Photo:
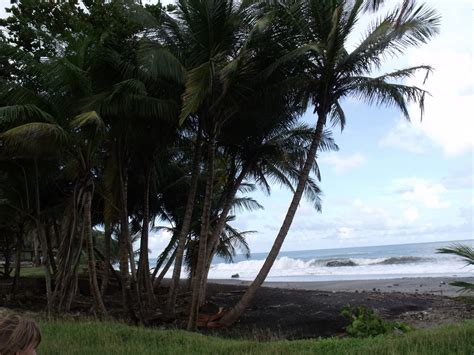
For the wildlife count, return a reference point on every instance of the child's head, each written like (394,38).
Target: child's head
(18,335)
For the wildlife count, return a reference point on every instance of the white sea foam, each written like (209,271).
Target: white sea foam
(409,260)
(286,268)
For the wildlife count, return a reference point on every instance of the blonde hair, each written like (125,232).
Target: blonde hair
(17,333)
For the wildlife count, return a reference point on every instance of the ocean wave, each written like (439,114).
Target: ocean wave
(405,260)
(290,267)
(396,260)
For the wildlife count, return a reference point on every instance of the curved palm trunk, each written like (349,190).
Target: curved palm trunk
(246,299)
(144,280)
(94,285)
(204,235)
(162,259)
(165,270)
(184,231)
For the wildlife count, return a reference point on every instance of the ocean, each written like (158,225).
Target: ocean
(361,263)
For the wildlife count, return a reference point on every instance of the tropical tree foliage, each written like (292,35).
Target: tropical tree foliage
(465,252)
(123,117)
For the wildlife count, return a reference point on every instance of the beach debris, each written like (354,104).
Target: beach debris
(210,321)
(235,276)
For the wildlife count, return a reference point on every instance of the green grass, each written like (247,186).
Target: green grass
(31,271)
(68,337)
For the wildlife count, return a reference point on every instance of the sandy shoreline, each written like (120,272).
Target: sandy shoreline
(420,285)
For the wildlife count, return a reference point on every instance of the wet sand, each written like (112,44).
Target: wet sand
(421,285)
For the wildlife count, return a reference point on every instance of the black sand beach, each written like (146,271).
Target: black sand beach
(296,310)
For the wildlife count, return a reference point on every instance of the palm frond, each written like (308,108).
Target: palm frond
(90,118)
(198,86)
(379,92)
(158,62)
(464,251)
(34,139)
(465,287)
(15,115)
(246,204)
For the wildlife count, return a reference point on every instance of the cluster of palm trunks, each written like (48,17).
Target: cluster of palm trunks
(119,116)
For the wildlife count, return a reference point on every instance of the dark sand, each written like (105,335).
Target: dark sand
(284,310)
(425,285)
(297,310)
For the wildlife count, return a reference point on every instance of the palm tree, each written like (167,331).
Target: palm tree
(331,73)
(26,141)
(79,134)
(210,30)
(465,252)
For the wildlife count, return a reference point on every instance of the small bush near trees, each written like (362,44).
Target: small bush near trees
(365,322)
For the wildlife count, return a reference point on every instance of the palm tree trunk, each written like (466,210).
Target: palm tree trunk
(7,254)
(107,255)
(47,232)
(68,255)
(19,245)
(94,285)
(109,266)
(36,256)
(220,225)
(163,272)
(42,240)
(204,235)
(231,316)
(163,257)
(123,244)
(57,233)
(144,280)
(184,231)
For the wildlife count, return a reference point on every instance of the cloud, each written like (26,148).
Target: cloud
(158,241)
(447,121)
(345,232)
(406,137)
(341,164)
(464,180)
(426,193)
(411,214)
(449,110)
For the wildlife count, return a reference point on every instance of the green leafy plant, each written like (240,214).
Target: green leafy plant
(467,253)
(365,322)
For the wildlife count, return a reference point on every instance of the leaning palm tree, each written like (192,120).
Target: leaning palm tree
(330,73)
(467,254)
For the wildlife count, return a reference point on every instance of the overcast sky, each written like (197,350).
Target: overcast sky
(392,181)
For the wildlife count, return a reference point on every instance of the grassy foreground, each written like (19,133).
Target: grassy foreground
(67,337)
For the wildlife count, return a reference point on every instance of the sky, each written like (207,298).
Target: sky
(392,181)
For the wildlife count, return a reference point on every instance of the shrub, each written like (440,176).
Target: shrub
(365,322)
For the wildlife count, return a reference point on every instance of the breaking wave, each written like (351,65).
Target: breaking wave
(338,268)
